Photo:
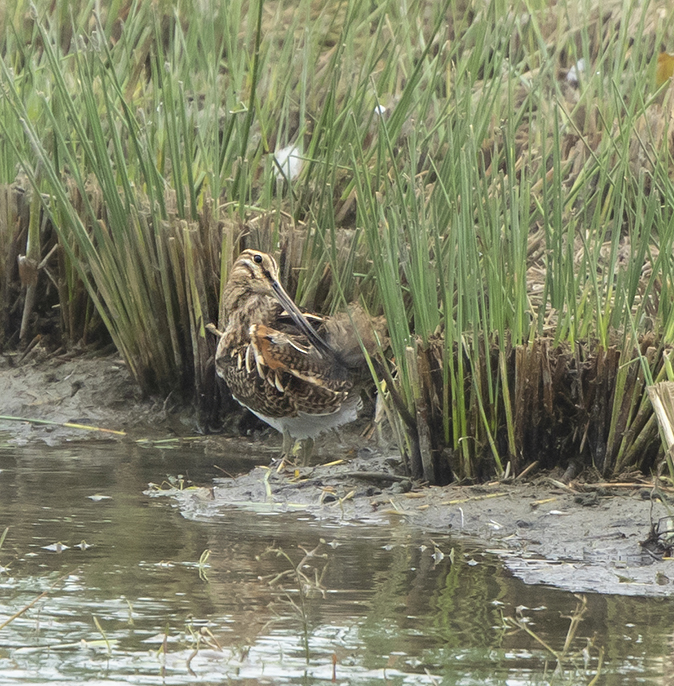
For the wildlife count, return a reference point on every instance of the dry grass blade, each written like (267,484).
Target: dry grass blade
(67,425)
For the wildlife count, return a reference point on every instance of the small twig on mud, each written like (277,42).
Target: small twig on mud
(29,347)
(526,470)
(472,498)
(562,485)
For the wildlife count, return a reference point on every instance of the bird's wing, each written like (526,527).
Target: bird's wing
(316,320)
(276,354)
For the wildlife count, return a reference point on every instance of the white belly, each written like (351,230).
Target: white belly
(311,425)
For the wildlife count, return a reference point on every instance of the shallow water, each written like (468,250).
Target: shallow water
(134,604)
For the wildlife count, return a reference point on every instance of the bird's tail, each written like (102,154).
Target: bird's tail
(349,332)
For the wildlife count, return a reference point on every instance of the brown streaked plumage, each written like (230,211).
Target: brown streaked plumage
(296,371)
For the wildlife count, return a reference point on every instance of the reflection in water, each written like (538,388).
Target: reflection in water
(135,605)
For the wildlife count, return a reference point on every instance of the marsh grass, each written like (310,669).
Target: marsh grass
(514,225)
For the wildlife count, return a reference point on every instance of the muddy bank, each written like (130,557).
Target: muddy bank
(581,538)
(93,391)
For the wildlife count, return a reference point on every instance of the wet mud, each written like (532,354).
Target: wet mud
(581,537)
(94,391)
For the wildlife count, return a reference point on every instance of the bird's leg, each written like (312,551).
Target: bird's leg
(306,450)
(301,450)
(287,446)
(286,449)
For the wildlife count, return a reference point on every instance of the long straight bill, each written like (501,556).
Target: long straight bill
(300,320)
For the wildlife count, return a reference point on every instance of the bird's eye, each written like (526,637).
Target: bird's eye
(258,259)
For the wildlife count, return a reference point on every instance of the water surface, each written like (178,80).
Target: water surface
(128,601)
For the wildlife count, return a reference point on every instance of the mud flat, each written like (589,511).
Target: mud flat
(581,537)
(92,391)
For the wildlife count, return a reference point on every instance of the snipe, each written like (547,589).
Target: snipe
(296,371)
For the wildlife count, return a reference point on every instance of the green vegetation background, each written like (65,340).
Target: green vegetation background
(492,177)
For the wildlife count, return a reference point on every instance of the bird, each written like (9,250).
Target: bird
(299,372)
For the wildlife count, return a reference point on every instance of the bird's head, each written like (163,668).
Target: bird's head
(256,273)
